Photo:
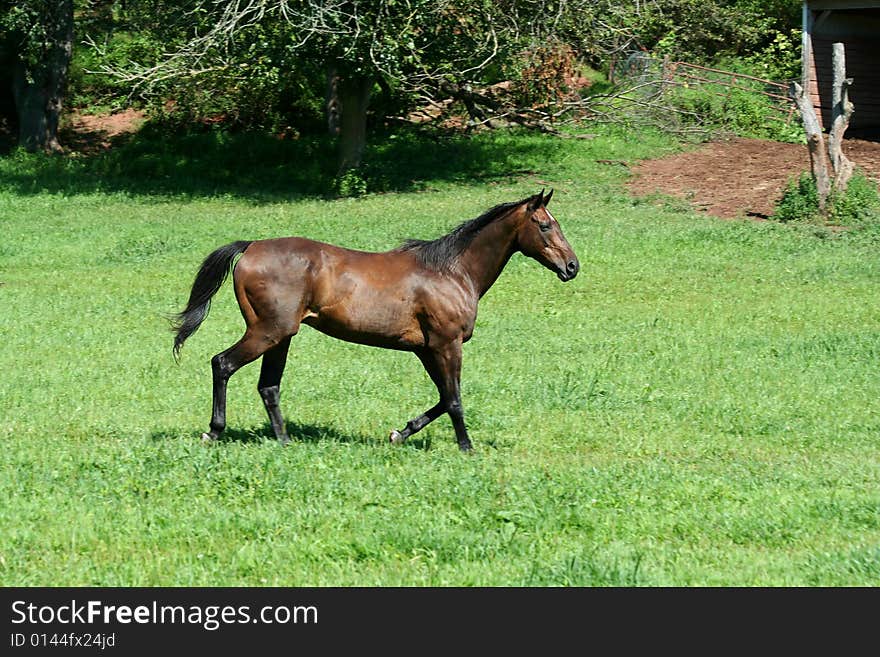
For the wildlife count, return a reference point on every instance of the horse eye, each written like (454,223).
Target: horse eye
(544,226)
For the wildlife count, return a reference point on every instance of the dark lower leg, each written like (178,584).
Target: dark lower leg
(417,424)
(456,414)
(269,387)
(270,396)
(218,409)
(223,366)
(444,368)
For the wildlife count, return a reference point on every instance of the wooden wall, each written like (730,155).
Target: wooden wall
(859,30)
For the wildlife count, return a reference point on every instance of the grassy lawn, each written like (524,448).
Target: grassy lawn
(699,407)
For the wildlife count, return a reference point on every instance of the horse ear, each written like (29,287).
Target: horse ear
(536,201)
(547,198)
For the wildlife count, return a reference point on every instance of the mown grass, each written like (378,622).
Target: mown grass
(699,407)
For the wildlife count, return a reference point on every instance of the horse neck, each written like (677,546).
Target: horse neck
(489,251)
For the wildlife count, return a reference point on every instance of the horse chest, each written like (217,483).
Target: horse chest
(449,320)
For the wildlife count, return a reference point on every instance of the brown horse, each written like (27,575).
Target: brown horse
(421,297)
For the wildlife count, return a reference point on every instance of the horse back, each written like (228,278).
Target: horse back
(383,299)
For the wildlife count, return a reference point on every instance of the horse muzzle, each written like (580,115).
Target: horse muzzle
(571,269)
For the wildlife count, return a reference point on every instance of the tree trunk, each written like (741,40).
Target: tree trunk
(38,87)
(815,142)
(841,111)
(354,94)
(331,102)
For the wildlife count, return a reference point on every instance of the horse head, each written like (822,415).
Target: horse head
(540,237)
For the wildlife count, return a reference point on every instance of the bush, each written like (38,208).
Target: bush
(350,184)
(859,206)
(781,60)
(799,201)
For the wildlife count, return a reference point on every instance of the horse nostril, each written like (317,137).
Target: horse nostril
(572,267)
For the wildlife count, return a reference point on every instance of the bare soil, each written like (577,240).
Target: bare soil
(739,177)
(91,133)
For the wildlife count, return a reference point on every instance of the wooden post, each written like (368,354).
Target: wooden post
(815,142)
(841,112)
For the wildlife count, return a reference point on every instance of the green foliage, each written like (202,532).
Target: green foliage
(270,74)
(90,88)
(699,30)
(799,200)
(729,97)
(698,408)
(858,206)
(28,28)
(716,108)
(780,60)
(350,183)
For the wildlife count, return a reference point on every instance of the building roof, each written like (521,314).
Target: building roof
(842,4)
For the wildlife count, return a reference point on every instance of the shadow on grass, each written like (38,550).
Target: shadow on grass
(299,433)
(263,168)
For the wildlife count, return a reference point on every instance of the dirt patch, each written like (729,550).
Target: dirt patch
(91,133)
(740,177)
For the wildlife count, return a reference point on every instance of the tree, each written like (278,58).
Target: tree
(420,52)
(40,36)
(411,46)
(841,112)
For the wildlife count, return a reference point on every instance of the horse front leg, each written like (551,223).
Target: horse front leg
(451,394)
(417,424)
(444,367)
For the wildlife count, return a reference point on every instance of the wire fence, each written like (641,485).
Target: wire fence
(655,78)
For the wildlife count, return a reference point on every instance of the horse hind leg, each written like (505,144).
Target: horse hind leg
(251,346)
(269,387)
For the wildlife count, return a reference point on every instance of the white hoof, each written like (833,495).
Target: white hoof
(395,437)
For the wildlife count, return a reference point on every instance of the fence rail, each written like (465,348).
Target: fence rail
(676,72)
(660,74)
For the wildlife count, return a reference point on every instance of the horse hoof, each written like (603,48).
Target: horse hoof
(208,438)
(396,437)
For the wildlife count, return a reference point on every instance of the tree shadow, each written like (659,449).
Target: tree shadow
(263,168)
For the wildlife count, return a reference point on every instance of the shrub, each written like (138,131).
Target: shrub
(799,201)
(859,206)
(351,183)
(544,75)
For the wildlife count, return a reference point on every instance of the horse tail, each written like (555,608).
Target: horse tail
(212,273)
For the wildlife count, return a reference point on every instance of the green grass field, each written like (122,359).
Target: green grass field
(699,407)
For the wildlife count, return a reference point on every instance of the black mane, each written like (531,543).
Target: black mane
(442,253)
